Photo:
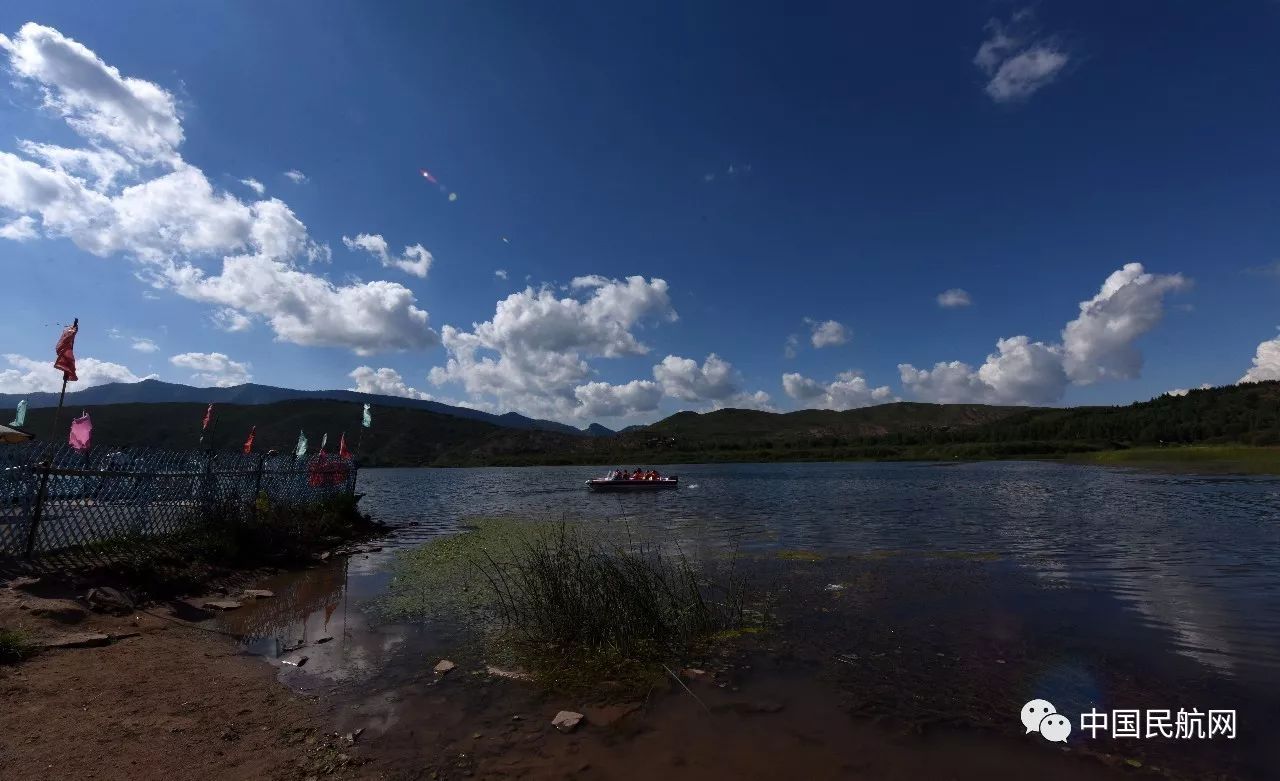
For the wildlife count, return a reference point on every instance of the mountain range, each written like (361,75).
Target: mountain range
(159,392)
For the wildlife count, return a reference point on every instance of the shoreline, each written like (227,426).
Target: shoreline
(1191,459)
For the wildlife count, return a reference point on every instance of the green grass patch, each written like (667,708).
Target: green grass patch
(799,555)
(575,606)
(15,645)
(1214,459)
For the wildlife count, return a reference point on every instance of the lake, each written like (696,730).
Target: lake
(1199,556)
(920,592)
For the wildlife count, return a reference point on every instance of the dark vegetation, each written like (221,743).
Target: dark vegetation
(1240,414)
(571,607)
(15,646)
(232,540)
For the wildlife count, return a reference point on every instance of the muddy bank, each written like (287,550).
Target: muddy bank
(158,699)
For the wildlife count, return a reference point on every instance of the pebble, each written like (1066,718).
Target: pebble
(444,666)
(566,721)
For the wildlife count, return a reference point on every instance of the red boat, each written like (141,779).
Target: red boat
(628,485)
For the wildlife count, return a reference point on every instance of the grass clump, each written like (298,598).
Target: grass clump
(15,645)
(571,606)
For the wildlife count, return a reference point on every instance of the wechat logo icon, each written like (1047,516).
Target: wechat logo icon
(1040,716)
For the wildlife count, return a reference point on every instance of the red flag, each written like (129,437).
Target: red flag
(248,443)
(208,418)
(66,362)
(342,446)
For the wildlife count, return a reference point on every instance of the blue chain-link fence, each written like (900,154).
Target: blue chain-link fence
(53,498)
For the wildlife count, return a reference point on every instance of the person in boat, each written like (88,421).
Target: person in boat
(638,474)
(652,474)
(618,474)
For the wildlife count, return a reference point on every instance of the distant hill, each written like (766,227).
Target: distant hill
(597,430)
(156,391)
(410,436)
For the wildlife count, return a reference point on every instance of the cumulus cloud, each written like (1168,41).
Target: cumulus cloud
(531,355)
(1017,60)
(255,185)
(21,229)
(500,273)
(384,382)
(214,369)
(602,400)
(414,261)
(28,375)
(1185,391)
(296,176)
(828,333)
(954,298)
(129,192)
(1098,345)
(229,320)
(715,381)
(145,345)
(850,390)
(136,117)
(1266,362)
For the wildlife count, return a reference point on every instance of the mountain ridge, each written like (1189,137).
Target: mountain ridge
(153,391)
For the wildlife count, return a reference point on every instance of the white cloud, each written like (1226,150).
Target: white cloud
(138,118)
(29,375)
(1185,391)
(384,382)
(537,344)
(953,298)
(21,229)
(1017,60)
(213,369)
(500,273)
(296,176)
(715,381)
(792,346)
(1097,345)
(231,321)
(602,400)
(255,185)
(145,345)
(849,391)
(827,334)
(414,261)
(1266,362)
(169,216)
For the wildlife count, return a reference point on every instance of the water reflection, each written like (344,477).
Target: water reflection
(1196,556)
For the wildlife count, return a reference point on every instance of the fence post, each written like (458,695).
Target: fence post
(33,530)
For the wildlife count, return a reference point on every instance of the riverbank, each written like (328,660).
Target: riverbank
(1203,459)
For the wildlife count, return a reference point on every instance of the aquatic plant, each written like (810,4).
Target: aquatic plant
(571,604)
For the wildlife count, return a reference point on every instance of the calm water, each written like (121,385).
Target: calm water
(1196,556)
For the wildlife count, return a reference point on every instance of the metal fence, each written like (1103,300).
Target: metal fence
(53,497)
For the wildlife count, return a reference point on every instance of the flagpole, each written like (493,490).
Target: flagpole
(57,413)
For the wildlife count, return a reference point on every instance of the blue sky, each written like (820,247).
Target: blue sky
(721,181)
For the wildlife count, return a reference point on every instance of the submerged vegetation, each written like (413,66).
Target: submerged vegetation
(571,606)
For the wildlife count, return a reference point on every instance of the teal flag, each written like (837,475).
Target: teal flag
(20,417)
(365,421)
(301,449)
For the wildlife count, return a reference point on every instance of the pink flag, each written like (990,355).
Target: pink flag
(66,362)
(81,432)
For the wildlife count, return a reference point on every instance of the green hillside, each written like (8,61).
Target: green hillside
(1233,415)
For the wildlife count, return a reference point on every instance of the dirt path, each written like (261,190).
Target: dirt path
(169,702)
